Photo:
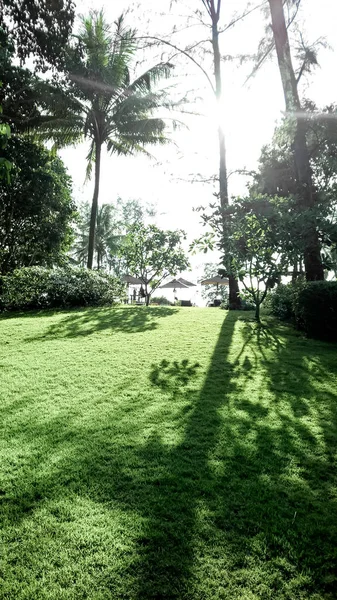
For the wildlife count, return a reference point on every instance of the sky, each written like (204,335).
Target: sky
(249,111)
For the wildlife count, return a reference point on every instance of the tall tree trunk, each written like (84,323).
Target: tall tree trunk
(94,206)
(234,297)
(312,257)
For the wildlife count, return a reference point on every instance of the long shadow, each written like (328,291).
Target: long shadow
(183,478)
(87,321)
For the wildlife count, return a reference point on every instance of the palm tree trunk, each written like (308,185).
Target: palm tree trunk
(312,257)
(234,297)
(94,206)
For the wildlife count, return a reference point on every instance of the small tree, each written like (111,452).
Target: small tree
(152,254)
(259,241)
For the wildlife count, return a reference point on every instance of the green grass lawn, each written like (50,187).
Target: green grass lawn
(166,454)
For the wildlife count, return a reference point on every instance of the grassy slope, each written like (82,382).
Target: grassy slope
(161,453)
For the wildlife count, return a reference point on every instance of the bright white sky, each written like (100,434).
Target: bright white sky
(249,112)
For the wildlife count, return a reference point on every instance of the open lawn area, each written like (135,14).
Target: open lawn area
(166,453)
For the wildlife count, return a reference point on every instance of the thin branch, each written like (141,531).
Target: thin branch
(207,6)
(261,61)
(301,71)
(184,52)
(245,14)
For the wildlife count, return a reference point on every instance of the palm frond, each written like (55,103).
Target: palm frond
(142,128)
(121,147)
(140,106)
(147,80)
(100,103)
(62,131)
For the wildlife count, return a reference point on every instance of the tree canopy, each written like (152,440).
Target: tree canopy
(38,28)
(36,209)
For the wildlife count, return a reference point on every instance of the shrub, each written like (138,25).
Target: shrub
(315,309)
(280,302)
(160,300)
(38,287)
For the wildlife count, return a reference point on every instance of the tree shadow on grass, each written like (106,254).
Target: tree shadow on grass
(243,504)
(91,320)
(173,376)
(250,491)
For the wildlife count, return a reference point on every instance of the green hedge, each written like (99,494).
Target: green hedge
(38,287)
(311,306)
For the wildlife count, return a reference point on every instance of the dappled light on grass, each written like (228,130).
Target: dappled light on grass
(194,459)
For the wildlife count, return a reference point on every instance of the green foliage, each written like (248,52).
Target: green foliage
(113,221)
(247,304)
(38,287)
(311,306)
(277,175)
(257,241)
(153,254)
(36,209)
(123,121)
(315,309)
(161,300)
(281,300)
(103,104)
(38,28)
(107,236)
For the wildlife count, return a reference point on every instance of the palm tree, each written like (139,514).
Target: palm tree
(103,104)
(107,236)
(107,239)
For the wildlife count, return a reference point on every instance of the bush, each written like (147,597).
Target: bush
(160,300)
(315,309)
(280,302)
(38,287)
